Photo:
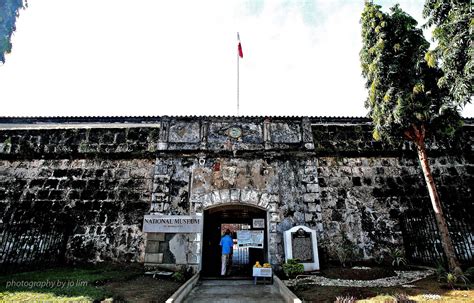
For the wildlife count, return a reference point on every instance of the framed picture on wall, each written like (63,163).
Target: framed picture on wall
(258,223)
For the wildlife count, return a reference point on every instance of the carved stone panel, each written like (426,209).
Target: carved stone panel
(301,243)
(184,132)
(285,133)
(302,246)
(250,133)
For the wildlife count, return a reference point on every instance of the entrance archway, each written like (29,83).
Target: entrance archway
(235,217)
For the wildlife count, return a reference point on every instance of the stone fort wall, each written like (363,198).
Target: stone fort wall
(368,188)
(101,177)
(97,180)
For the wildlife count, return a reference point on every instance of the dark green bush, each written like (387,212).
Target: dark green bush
(440,272)
(292,268)
(345,250)
(178,277)
(398,257)
(469,273)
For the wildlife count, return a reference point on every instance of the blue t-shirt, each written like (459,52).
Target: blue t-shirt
(227,243)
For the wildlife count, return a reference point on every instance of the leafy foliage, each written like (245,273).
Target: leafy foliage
(405,100)
(345,299)
(346,250)
(453,278)
(469,273)
(440,272)
(453,30)
(9,11)
(179,277)
(292,268)
(398,257)
(182,274)
(403,90)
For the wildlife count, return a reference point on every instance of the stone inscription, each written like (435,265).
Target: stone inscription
(302,246)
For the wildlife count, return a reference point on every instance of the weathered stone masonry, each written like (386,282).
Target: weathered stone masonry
(269,165)
(325,173)
(97,179)
(367,186)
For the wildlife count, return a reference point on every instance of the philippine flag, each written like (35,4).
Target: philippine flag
(239,47)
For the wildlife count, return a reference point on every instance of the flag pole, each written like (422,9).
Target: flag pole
(238,62)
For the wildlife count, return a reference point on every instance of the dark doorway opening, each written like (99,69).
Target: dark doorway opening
(234,217)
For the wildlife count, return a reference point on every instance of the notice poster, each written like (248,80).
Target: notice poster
(250,238)
(258,223)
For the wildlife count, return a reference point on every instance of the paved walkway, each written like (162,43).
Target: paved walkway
(233,291)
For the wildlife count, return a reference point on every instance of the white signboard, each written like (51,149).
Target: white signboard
(172,224)
(250,238)
(258,223)
(262,272)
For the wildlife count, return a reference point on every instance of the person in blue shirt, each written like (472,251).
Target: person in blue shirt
(226,243)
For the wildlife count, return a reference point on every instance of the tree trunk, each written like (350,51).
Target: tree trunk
(446,242)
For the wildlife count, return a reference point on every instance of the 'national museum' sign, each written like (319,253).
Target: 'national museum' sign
(172,224)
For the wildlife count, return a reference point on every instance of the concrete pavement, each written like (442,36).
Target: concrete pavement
(233,291)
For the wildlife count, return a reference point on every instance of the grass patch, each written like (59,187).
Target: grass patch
(35,296)
(64,284)
(446,297)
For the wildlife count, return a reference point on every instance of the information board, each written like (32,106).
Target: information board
(250,238)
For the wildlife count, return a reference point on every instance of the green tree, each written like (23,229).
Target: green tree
(404,100)
(453,23)
(9,11)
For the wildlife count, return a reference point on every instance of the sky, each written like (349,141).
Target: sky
(148,57)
